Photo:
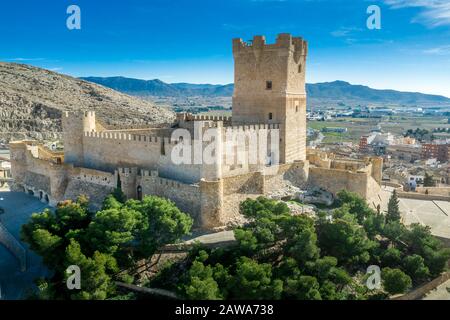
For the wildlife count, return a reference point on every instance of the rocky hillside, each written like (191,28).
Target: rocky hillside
(32,101)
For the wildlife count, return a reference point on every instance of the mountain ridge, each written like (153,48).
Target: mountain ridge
(325,92)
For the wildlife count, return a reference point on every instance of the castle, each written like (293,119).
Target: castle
(269,112)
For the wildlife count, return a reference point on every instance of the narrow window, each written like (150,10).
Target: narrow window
(270,116)
(300,68)
(139,193)
(296,108)
(268,85)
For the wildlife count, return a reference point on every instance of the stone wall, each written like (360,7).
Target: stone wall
(398,187)
(108,151)
(185,196)
(437,191)
(250,183)
(334,180)
(53,182)
(295,174)
(95,193)
(333,174)
(11,243)
(420,292)
(420,196)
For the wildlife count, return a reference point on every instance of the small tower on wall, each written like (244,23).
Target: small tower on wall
(270,88)
(74,126)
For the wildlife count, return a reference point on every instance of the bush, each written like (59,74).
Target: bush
(395,281)
(415,267)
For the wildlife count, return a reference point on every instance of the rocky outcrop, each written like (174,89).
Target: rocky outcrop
(32,101)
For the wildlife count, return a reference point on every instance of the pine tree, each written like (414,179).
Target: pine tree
(428,180)
(393,213)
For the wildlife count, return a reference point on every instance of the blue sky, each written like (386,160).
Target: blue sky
(190,40)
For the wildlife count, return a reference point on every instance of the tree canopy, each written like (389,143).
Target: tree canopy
(279,255)
(100,243)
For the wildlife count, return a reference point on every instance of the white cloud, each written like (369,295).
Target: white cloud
(434,12)
(24,59)
(345,31)
(440,51)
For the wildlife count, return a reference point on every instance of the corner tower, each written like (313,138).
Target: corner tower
(270,88)
(74,126)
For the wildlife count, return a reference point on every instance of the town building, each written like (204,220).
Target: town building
(435,150)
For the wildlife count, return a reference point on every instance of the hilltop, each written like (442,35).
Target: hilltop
(32,100)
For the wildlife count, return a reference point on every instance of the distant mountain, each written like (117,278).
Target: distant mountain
(159,88)
(327,93)
(346,92)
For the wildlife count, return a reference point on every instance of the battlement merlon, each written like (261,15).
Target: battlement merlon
(85,114)
(284,41)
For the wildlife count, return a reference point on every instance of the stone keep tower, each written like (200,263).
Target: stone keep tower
(74,126)
(270,88)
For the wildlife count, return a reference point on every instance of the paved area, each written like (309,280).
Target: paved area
(435,214)
(427,213)
(441,292)
(211,238)
(18,209)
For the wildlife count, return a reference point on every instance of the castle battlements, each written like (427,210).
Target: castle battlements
(194,117)
(254,127)
(154,174)
(123,137)
(85,114)
(284,41)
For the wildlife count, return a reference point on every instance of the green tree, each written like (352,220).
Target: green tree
(74,235)
(396,232)
(342,237)
(300,238)
(112,228)
(374,225)
(391,257)
(428,180)
(302,287)
(111,202)
(272,223)
(422,242)
(48,233)
(118,193)
(247,241)
(393,213)
(201,284)
(162,223)
(357,206)
(395,281)
(254,281)
(96,273)
(415,267)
